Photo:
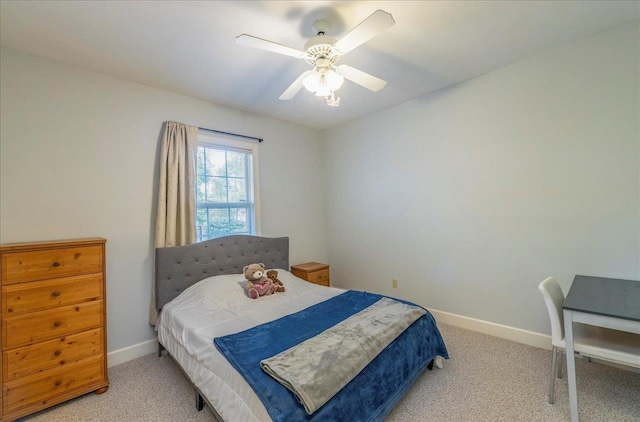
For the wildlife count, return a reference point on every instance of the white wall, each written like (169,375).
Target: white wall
(79,158)
(473,195)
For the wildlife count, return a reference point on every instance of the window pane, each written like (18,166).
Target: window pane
(238,190)
(215,162)
(200,189)
(216,189)
(201,224)
(236,164)
(218,222)
(238,220)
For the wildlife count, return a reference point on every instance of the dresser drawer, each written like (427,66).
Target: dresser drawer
(38,389)
(29,360)
(319,277)
(20,267)
(34,296)
(21,330)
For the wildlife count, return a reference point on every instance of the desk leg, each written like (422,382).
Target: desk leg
(571,365)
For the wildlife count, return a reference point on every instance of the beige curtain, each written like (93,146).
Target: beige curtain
(175,221)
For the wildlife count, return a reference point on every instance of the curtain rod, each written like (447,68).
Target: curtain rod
(232,134)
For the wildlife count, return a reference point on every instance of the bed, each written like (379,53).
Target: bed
(201,298)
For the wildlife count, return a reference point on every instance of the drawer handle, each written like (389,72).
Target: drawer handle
(57,352)
(58,382)
(56,293)
(57,324)
(56,264)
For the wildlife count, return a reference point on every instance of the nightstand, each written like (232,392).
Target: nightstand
(313,272)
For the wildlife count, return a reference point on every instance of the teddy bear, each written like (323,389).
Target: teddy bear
(273,276)
(257,283)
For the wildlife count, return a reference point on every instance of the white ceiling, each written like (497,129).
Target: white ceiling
(189,46)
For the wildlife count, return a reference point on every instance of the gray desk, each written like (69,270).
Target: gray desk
(604,302)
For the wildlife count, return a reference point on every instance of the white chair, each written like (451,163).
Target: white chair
(593,342)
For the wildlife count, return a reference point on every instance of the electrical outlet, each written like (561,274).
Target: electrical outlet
(394,283)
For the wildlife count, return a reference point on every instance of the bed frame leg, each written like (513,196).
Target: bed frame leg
(160,349)
(430,365)
(199,402)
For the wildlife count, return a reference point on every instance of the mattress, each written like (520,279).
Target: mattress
(218,306)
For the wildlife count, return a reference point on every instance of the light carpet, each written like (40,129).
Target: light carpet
(485,379)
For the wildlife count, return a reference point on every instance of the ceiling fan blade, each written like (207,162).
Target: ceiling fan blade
(367,29)
(294,87)
(361,78)
(251,41)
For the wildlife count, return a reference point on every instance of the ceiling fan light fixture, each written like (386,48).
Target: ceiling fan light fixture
(324,90)
(334,80)
(322,83)
(312,81)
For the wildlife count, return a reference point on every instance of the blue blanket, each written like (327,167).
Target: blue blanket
(370,396)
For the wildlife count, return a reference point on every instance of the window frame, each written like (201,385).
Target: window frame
(222,142)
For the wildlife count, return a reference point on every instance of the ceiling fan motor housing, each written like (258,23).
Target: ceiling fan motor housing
(321,47)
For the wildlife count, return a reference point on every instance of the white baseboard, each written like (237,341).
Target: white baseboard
(530,338)
(132,352)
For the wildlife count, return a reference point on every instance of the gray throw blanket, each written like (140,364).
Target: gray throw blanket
(316,369)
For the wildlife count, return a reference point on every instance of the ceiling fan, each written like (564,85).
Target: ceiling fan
(323,53)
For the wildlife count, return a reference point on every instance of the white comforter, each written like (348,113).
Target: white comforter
(218,306)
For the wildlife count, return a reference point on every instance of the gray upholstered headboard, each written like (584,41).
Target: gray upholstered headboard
(179,267)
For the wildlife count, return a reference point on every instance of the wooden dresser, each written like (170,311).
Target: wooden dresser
(313,272)
(54,344)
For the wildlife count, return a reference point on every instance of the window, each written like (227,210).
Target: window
(226,187)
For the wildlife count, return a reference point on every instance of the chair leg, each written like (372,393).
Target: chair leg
(554,357)
(559,363)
